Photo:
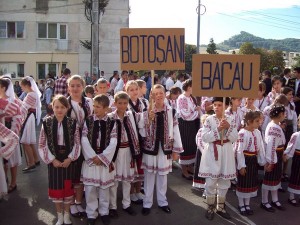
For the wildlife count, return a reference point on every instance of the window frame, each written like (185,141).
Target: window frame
(58,29)
(15,30)
(16,74)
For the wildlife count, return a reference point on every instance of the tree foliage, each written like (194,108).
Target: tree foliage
(189,51)
(211,47)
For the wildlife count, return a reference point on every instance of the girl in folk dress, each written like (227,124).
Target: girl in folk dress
(249,150)
(175,92)
(59,146)
(262,101)
(290,124)
(13,123)
(162,142)
(218,162)
(31,112)
(275,141)
(249,105)
(235,111)
(136,105)
(189,123)
(276,87)
(9,138)
(80,108)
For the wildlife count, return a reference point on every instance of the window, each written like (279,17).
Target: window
(52,31)
(43,69)
(12,29)
(15,69)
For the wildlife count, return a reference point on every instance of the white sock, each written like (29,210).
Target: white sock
(264,195)
(60,218)
(79,208)
(241,201)
(292,196)
(73,209)
(247,201)
(274,195)
(67,219)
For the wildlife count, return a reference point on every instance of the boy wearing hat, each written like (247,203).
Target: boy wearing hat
(218,164)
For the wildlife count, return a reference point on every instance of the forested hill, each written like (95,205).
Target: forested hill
(288,44)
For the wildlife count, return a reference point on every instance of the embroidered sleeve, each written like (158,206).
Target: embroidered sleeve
(210,133)
(10,140)
(29,102)
(185,110)
(177,146)
(261,154)
(294,121)
(231,133)
(43,149)
(272,135)
(77,147)
(291,147)
(239,148)
(199,142)
(87,150)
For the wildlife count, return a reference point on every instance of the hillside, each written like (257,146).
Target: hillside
(288,44)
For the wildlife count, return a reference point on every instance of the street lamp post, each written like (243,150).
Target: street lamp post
(198,10)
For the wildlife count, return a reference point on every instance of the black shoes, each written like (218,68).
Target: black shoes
(146,211)
(28,169)
(224,214)
(38,163)
(105,220)
(165,208)
(91,221)
(242,210)
(130,211)
(293,202)
(113,213)
(278,206)
(249,210)
(210,213)
(267,207)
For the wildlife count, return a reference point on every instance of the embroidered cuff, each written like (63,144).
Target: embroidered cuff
(104,160)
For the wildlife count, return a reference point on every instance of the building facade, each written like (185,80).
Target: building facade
(40,37)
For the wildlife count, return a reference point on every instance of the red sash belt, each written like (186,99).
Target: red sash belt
(31,110)
(218,142)
(297,152)
(124,144)
(280,148)
(248,153)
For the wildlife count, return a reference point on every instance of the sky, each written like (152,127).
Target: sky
(276,19)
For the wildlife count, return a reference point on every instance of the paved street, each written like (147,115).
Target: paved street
(29,205)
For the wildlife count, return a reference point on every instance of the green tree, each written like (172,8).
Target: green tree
(189,51)
(247,49)
(211,47)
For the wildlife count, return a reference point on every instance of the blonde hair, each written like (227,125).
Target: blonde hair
(121,95)
(62,99)
(158,86)
(130,83)
(76,77)
(140,83)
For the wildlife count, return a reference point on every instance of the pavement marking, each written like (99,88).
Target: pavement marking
(250,222)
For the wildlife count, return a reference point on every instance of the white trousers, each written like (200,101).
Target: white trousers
(161,189)
(126,186)
(216,186)
(92,194)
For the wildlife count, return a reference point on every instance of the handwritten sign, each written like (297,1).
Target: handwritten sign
(152,48)
(226,75)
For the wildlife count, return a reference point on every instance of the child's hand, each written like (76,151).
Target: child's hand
(284,158)
(97,161)
(151,115)
(56,163)
(243,171)
(175,156)
(268,167)
(66,163)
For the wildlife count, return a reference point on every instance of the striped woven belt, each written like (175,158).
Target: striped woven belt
(280,148)
(248,153)
(124,144)
(297,151)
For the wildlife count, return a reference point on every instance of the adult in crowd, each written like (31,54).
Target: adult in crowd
(94,79)
(170,80)
(113,82)
(17,88)
(267,81)
(297,90)
(61,86)
(87,78)
(122,81)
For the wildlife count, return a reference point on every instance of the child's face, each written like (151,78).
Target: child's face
(59,109)
(89,95)
(75,88)
(99,110)
(2,89)
(249,101)
(143,89)
(121,105)
(174,96)
(260,93)
(289,96)
(277,85)
(102,88)
(133,91)
(159,95)
(236,102)
(218,108)
(255,123)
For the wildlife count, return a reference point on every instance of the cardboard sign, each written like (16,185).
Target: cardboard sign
(226,75)
(152,49)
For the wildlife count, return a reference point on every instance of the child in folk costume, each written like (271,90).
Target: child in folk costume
(59,147)
(249,149)
(206,105)
(31,112)
(80,108)
(13,123)
(235,111)
(293,151)
(162,142)
(249,105)
(275,141)
(102,87)
(8,138)
(142,88)
(99,142)
(276,87)
(262,101)
(189,123)
(218,162)
(290,124)
(128,151)
(198,182)
(136,105)
(173,96)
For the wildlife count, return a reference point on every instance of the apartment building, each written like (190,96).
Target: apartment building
(38,37)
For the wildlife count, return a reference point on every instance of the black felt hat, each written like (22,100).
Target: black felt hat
(220,99)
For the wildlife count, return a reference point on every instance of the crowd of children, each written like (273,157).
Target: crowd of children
(93,141)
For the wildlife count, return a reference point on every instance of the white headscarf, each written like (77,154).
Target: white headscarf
(39,94)
(10,90)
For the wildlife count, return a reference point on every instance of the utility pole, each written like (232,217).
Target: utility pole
(95,37)
(198,10)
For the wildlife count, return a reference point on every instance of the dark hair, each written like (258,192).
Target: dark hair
(186,84)
(276,110)
(267,73)
(123,72)
(175,91)
(62,99)
(89,89)
(66,71)
(25,82)
(4,82)
(275,78)
(286,71)
(262,86)
(180,76)
(285,91)
(251,115)
(297,69)
(121,95)
(102,100)
(171,73)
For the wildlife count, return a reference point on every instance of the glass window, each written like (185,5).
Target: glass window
(20,29)
(63,32)
(41,71)
(11,30)
(52,69)
(52,30)
(15,69)
(2,29)
(20,70)
(42,30)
